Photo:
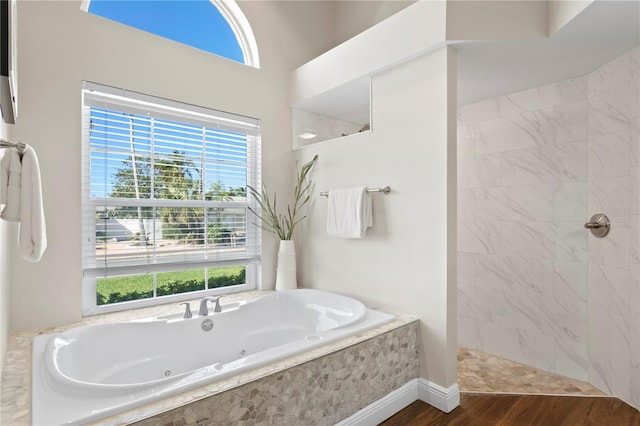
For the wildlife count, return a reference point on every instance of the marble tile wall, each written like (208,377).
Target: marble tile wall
(522,252)
(533,285)
(613,273)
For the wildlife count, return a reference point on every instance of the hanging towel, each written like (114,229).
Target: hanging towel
(4,175)
(349,212)
(32,239)
(11,183)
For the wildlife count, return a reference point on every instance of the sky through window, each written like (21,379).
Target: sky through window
(197,23)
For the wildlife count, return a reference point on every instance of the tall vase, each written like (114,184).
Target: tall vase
(286,270)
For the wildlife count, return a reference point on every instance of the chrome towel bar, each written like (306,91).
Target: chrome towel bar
(384,190)
(21,147)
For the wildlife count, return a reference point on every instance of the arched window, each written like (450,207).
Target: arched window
(216,26)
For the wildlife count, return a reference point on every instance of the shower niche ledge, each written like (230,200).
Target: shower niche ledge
(333,91)
(340,112)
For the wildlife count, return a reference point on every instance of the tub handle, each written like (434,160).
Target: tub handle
(187,310)
(204,311)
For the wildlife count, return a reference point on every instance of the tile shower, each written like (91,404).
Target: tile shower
(533,285)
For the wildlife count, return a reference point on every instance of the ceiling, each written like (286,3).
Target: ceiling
(348,102)
(603,31)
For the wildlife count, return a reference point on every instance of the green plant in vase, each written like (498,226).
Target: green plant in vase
(283,224)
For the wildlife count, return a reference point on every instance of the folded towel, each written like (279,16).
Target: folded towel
(349,212)
(32,240)
(11,183)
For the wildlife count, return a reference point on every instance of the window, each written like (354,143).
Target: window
(165,204)
(216,26)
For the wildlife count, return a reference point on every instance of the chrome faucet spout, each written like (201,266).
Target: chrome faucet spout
(204,310)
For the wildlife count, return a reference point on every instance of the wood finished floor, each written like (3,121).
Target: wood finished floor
(521,410)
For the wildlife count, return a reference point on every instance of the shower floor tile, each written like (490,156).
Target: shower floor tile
(481,372)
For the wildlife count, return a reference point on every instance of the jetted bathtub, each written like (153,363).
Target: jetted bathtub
(92,372)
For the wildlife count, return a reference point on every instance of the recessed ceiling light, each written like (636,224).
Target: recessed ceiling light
(307,135)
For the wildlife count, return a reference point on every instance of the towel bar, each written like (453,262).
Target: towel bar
(384,190)
(21,147)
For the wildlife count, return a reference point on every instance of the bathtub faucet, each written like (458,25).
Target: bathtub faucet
(187,310)
(204,311)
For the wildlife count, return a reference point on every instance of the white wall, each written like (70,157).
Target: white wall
(60,46)
(4,290)
(353,17)
(406,262)
(496,20)
(4,272)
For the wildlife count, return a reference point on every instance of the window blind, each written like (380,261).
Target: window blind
(165,185)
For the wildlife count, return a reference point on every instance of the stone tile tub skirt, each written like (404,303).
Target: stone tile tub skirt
(322,391)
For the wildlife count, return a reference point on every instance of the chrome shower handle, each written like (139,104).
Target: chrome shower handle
(599,225)
(590,225)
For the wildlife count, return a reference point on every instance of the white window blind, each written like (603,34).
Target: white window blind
(164,185)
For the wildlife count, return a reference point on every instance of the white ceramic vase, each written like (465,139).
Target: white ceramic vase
(286,269)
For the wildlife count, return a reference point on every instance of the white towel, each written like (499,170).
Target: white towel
(23,199)
(4,175)
(11,184)
(33,233)
(349,212)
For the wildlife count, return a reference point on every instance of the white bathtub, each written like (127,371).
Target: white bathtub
(92,372)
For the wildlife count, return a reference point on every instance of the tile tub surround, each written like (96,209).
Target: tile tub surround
(15,397)
(323,391)
(533,286)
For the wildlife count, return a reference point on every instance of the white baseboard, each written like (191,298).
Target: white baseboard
(385,407)
(444,399)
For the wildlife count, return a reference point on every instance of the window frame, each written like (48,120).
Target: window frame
(91,271)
